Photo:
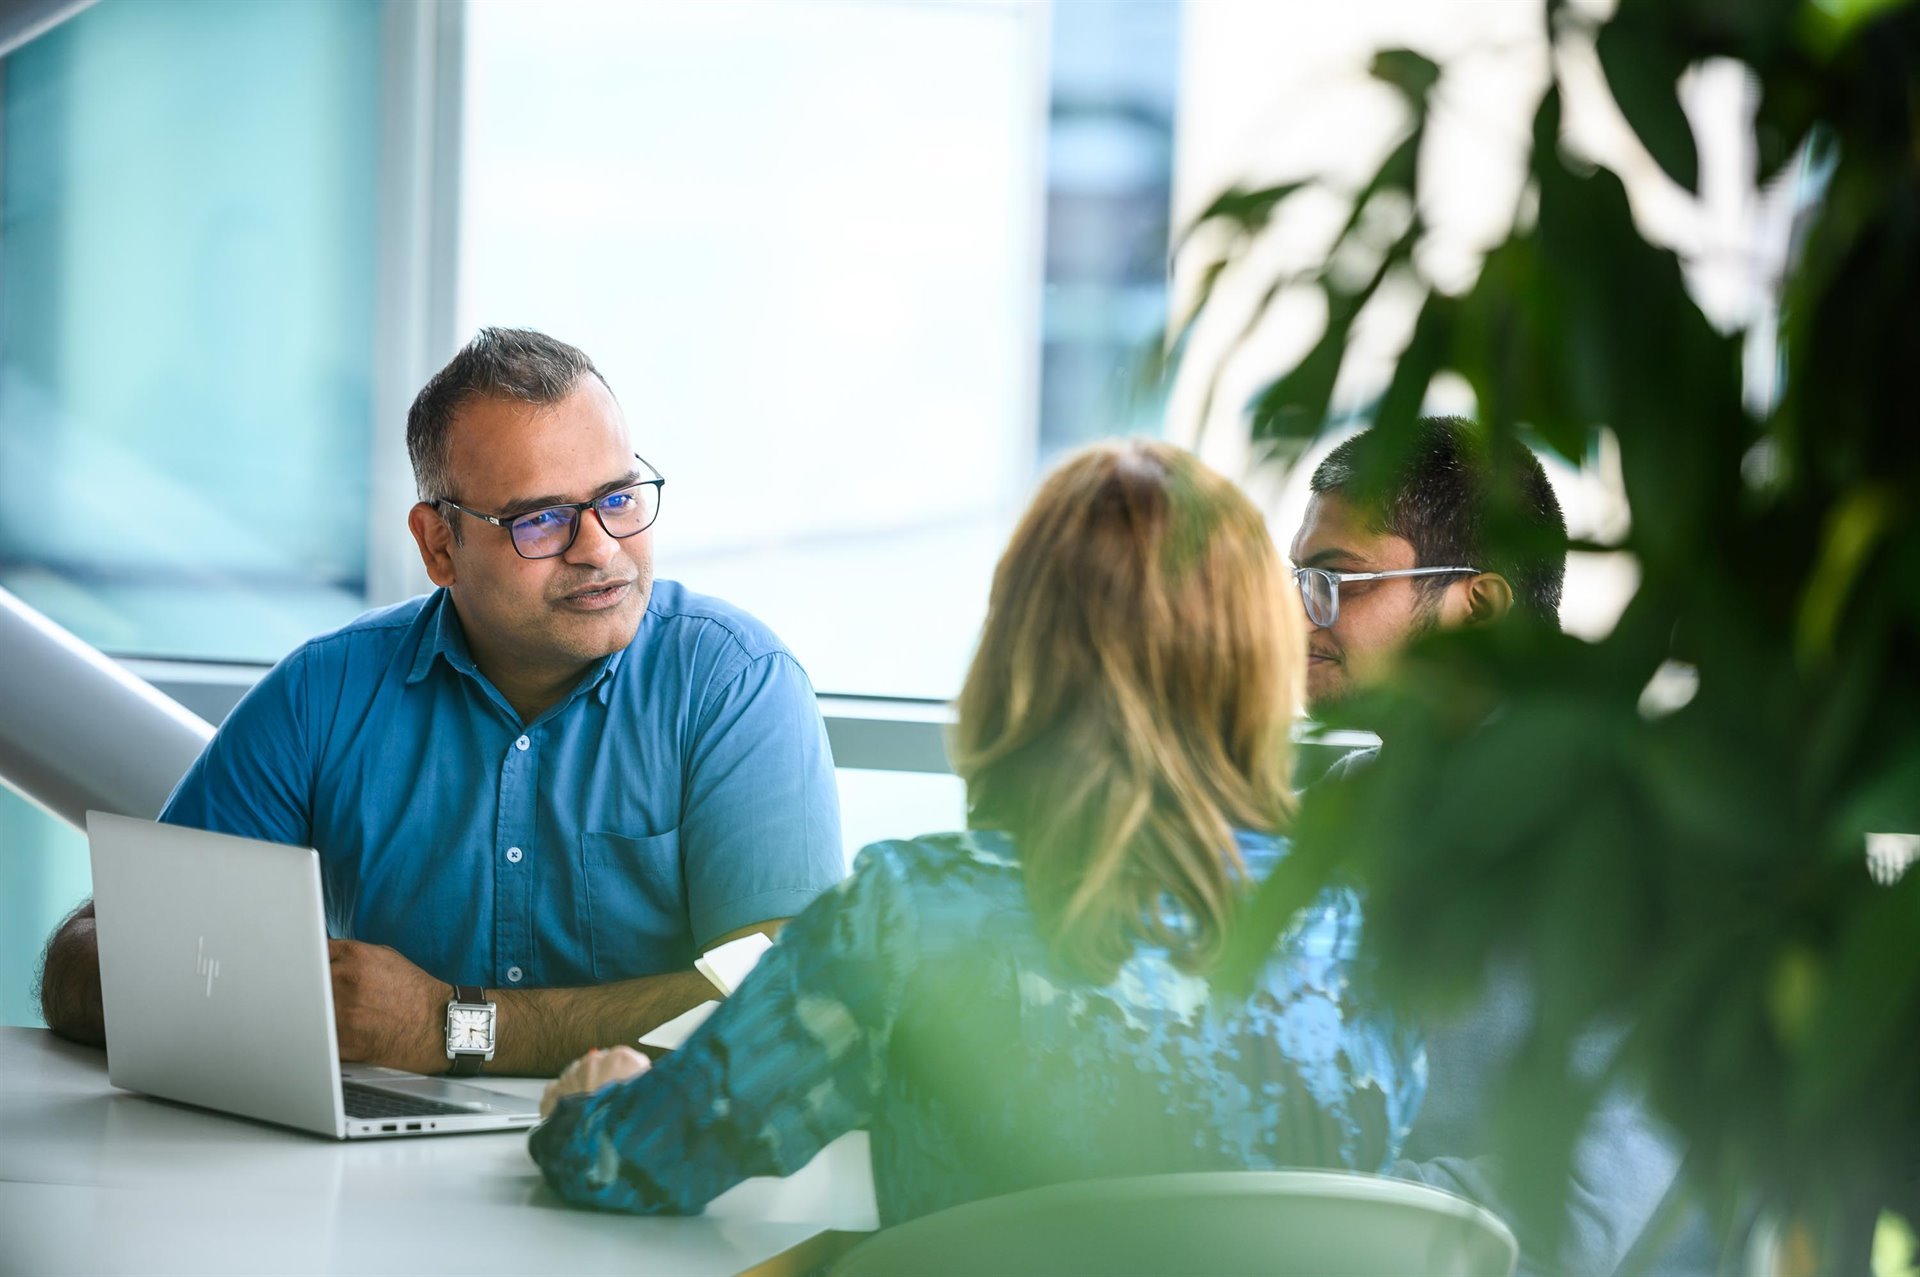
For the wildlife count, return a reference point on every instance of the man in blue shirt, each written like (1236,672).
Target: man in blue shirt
(551,783)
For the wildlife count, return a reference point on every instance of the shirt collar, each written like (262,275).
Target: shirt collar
(601,680)
(442,637)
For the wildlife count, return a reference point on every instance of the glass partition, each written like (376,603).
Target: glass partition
(187,228)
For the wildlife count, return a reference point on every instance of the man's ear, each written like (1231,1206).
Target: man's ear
(1489,597)
(435,539)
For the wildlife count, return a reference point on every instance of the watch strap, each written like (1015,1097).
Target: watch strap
(467,1063)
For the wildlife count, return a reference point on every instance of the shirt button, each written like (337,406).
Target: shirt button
(522,744)
(513,975)
(513,855)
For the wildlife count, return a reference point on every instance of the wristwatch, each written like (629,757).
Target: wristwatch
(470,1029)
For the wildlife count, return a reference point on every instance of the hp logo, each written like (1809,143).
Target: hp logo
(205,966)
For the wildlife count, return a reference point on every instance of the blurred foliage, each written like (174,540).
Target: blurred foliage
(1694,874)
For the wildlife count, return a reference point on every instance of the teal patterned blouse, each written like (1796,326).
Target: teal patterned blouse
(919,1001)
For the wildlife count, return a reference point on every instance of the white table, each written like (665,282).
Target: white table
(95,1180)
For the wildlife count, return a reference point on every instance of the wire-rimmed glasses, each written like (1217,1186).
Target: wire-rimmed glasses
(551,530)
(1320,587)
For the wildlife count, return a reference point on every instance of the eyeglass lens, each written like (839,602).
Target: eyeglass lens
(545,533)
(1320,594)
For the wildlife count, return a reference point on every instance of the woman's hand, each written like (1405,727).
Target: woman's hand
(592,1071)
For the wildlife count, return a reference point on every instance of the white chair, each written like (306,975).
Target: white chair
(1272,1223)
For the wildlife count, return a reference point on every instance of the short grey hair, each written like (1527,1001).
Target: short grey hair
(499,363)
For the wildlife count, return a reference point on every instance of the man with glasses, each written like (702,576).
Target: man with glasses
(1375,574)
(1379,564)
(541,791)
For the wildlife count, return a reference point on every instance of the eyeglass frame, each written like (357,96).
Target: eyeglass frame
(658,483)
(1339,578)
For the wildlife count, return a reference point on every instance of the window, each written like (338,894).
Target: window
(848,286)
(186,317)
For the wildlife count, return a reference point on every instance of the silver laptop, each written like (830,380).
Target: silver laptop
(214,980)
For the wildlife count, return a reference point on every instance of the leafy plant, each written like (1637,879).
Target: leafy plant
(1696,875)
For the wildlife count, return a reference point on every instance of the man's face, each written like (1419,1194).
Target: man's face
(530,619)
(1376,618)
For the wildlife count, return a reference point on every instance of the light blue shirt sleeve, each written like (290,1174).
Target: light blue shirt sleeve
(254,778)
(760,829)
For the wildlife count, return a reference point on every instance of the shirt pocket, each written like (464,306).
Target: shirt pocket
(636,904)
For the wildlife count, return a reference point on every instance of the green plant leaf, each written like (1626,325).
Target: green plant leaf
(1864,1016)
(1856,526)
(1412,73)
(1413,372)
(1894,1250)
(1643,70)
(1888,802)
(1295,405)
(1793,992)
(1512,348)
(1249,209)
(1827,26)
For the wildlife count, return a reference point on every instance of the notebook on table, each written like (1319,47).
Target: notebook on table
(724,967)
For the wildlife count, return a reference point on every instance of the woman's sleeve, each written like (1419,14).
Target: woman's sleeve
(1363,1068)
(790,1062)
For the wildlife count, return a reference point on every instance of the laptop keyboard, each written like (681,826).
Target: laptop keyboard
(365,1101)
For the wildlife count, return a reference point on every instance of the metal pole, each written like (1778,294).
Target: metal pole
(22,20)
(78,732)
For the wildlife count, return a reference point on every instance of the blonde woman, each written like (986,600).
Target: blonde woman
(1026,1002)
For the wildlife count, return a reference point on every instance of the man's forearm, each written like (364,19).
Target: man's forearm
(388,1011)
(558,1026)
(70,980)
(541,1031)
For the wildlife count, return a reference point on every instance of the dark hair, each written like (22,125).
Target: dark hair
(1437,490)
(499,363)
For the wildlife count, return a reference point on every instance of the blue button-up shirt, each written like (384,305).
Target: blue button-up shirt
(683,789)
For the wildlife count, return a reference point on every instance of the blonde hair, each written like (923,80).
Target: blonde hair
(1130,702)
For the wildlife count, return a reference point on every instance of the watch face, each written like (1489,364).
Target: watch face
(469,1029)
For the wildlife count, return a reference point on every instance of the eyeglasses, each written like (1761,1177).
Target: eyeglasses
(551,531)
(1320,587)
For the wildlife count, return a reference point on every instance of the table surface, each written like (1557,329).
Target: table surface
(98,1180)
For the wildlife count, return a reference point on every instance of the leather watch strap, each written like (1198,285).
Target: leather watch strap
(467,1063)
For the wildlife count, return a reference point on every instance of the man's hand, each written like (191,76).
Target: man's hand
(388,1011)
(592,1071)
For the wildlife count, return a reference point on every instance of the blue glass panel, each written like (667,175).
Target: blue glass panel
(43,875)
(187,255)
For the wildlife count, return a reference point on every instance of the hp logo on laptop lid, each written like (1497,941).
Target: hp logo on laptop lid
(205,966)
